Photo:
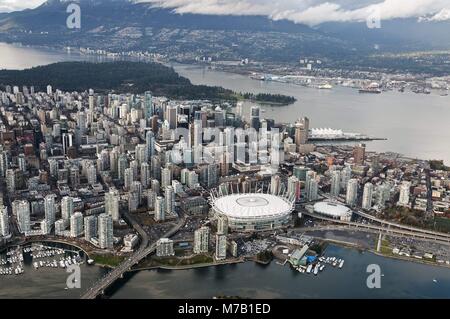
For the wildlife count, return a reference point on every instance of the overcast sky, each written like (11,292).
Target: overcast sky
(302,11)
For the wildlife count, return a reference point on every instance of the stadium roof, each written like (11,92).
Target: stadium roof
(331,209)
(253,206)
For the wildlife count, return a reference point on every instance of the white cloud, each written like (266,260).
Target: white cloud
(310,12)
(15,5)
(443,15)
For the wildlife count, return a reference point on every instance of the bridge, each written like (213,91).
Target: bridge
(144,250)
(387,230)
(401,226)
(446,236)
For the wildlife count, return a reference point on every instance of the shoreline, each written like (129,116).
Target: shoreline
(267,103)
(413,260)
(350,245)
(340,243)
(51,241)
(187,267)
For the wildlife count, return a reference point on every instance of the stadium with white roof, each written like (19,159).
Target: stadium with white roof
(333,210)
(253,211)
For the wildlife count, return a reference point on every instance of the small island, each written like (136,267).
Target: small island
(267,98)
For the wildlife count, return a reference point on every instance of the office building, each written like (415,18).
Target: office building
(4,222)
(172,116)
(128,178)
(164,248)
(170,199)
(301,134)
(90,227)
(105,231)
(50,211)
(405,189)
(76,225)
(160,210)
(359,154)
(312,189)
(212,175)
(201,240)
(352,192)
(166,177)
(21,209)
(145,175)
(11,180)
(91,173)
(148,105)
(60,228)
(335,183)
(67,209)
(275,184)
(112,207)
(294,188)
(222,225)
(367,196)
(221,247)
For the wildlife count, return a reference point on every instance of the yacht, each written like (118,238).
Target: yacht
(308,270)
(371,88)
(316,270)
(325,86)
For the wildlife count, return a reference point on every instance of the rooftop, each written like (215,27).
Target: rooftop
(253,205)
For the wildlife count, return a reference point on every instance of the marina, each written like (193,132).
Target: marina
(318,265)
(42,256)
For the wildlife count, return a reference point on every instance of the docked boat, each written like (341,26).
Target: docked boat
(308,270)
(325,86)
(341,263)
(373,88)
(369,90)
(316,270)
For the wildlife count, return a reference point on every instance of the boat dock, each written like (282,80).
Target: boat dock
(42,257)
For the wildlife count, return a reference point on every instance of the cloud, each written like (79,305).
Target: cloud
(443,15)
(16,5)
(311,12)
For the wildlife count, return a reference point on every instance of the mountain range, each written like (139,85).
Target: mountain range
(124,25)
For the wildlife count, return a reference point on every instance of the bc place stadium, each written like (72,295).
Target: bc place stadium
(249,212)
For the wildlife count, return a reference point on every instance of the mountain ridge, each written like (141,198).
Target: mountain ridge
(125,25)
